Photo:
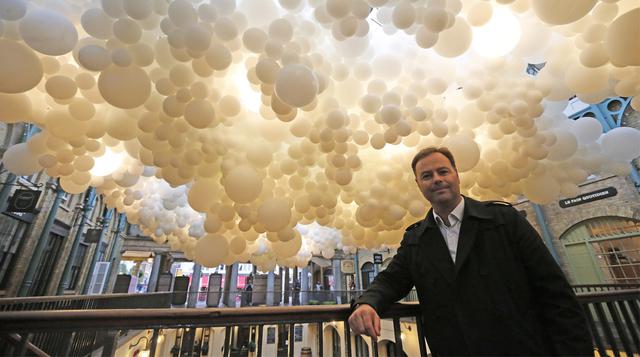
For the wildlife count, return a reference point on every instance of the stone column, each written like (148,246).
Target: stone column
(285,295)
(230,285)
(337,280)
(194,288)
(155,272)
(304,286)
(271,288)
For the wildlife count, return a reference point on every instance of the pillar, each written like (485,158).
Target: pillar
(337,279)
(155,273)
(271,289)
(194,288)
(230,285)
(304,286)
(287,287)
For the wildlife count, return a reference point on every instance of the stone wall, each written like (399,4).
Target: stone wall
(626,203)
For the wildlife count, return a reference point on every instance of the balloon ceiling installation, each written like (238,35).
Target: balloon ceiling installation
(226,128)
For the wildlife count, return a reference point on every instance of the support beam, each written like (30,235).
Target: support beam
(546,235)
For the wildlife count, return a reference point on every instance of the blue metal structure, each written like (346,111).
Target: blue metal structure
(544,227)
(610,113)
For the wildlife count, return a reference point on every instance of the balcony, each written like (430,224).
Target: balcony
(108,325)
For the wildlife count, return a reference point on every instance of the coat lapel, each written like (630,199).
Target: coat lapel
(469,229)
(468,233)
(434,248)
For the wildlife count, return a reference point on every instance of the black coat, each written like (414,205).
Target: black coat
(505,294)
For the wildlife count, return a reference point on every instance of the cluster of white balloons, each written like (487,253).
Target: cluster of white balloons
(224,127)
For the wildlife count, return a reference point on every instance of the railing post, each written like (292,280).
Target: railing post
(291,337)
(347,338)
(635,334)
(593,328)
(622,333)
(398,335)
(259,344)
(374,347)
(602,317)
(320,342)
(110,343)
(421,342)
(154,343)
(227,340)
(67,343)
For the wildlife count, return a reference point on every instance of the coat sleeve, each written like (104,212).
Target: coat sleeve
(392,284)
(557,308)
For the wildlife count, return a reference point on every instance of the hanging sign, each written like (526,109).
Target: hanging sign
(92,235)
(589,197)
(23,201)
(347,266)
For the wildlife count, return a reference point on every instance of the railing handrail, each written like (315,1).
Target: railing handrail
(610,295)
(30,321)
(54,298)
(608,285)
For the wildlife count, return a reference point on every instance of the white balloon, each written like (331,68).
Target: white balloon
(622,143)
(296,85)
(48,32)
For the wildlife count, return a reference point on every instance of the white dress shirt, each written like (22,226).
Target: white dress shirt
(451,232)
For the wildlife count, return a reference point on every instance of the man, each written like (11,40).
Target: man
(486,283)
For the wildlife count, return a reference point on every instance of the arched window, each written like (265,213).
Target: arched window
(604,250)
(368,273)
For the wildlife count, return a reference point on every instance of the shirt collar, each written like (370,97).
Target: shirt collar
(454,217)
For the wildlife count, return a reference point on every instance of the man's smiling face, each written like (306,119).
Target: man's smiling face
(438,180)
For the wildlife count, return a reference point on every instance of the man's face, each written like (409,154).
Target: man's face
(438,180)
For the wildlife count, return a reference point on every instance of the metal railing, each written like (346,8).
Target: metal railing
(613,316)
(588,288)
(614,320)
(34,323)
(200,299)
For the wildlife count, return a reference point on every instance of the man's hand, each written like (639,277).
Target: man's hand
(365,321)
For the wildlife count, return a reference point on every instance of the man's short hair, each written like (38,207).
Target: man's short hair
(432,150)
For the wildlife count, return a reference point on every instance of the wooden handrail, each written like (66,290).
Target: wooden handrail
(34,299)
(16,340)
(611,295)
(70,320)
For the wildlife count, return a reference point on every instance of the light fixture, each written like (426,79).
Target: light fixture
(249,96)
(108,163)
(499,36)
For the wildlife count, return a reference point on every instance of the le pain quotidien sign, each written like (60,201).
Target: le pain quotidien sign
(588,197)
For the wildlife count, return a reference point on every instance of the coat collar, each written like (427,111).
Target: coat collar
(472,208)
(435,247)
